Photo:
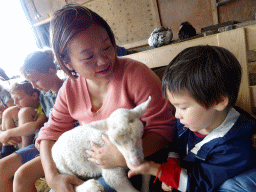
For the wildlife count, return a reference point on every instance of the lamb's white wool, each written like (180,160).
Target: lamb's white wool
(90,186)
(123,128)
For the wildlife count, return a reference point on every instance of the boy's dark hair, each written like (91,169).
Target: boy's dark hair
(66,24)
(40,61)
(25,86)
(206,72)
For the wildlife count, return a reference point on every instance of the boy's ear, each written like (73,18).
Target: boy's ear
(222,104)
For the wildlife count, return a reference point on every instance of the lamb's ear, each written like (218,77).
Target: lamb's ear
(140,109)
(101,125)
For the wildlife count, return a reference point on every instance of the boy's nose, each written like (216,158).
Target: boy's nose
(178,115)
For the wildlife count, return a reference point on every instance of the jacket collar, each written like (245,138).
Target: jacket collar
(220,131)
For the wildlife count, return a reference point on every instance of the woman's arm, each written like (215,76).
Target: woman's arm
(153,142)
(58,182)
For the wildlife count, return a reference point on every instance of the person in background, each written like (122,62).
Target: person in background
(99,82)
(27,108)
(3,75)
(213,139)
(20,170)
(5,101)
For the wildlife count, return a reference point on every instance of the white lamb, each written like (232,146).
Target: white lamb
(123,128)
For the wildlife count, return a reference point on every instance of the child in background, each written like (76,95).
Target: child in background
(27,108)
(5,101)
(5,98)
(20,170)
(213,140)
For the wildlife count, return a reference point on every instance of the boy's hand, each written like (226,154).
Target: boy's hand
(166,187)
(14,141)
(6,138)
(146,168)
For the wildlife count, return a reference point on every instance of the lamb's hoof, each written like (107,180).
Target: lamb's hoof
(90,186)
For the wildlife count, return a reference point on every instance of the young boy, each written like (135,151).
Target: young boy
(20,170)
(27,108)
(213,140)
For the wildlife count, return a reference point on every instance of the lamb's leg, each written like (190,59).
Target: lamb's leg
(117,179)
(90,186)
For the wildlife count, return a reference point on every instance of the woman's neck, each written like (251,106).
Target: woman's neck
(100,85)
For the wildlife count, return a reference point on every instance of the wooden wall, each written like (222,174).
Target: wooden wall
(134,20)
(200,13)
(238,10)
(173,12)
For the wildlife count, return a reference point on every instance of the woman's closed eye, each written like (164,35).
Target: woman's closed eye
(106,48)
(88,58)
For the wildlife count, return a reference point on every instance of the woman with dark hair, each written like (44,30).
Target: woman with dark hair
(99,82)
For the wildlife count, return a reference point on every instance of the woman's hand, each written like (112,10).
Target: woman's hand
(37,146)
(58,182)
(146,168)
(107,156)
(166,187)
(64,183)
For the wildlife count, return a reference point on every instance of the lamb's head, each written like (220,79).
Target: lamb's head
(125,130)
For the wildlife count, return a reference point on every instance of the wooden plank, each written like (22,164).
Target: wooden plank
(163,55)
(235,42)
(155,12)
(47,20)
(251,37)
(253,95)
(136,44)
(214,12)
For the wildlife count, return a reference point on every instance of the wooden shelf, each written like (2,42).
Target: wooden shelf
(47,20)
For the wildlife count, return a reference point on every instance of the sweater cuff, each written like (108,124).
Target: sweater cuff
(171,173)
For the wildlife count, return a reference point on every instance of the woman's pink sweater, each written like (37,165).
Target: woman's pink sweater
(131,84)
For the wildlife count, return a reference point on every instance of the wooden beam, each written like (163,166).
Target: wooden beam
(214,12)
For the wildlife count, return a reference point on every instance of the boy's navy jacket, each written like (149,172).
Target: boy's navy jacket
(219,159)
